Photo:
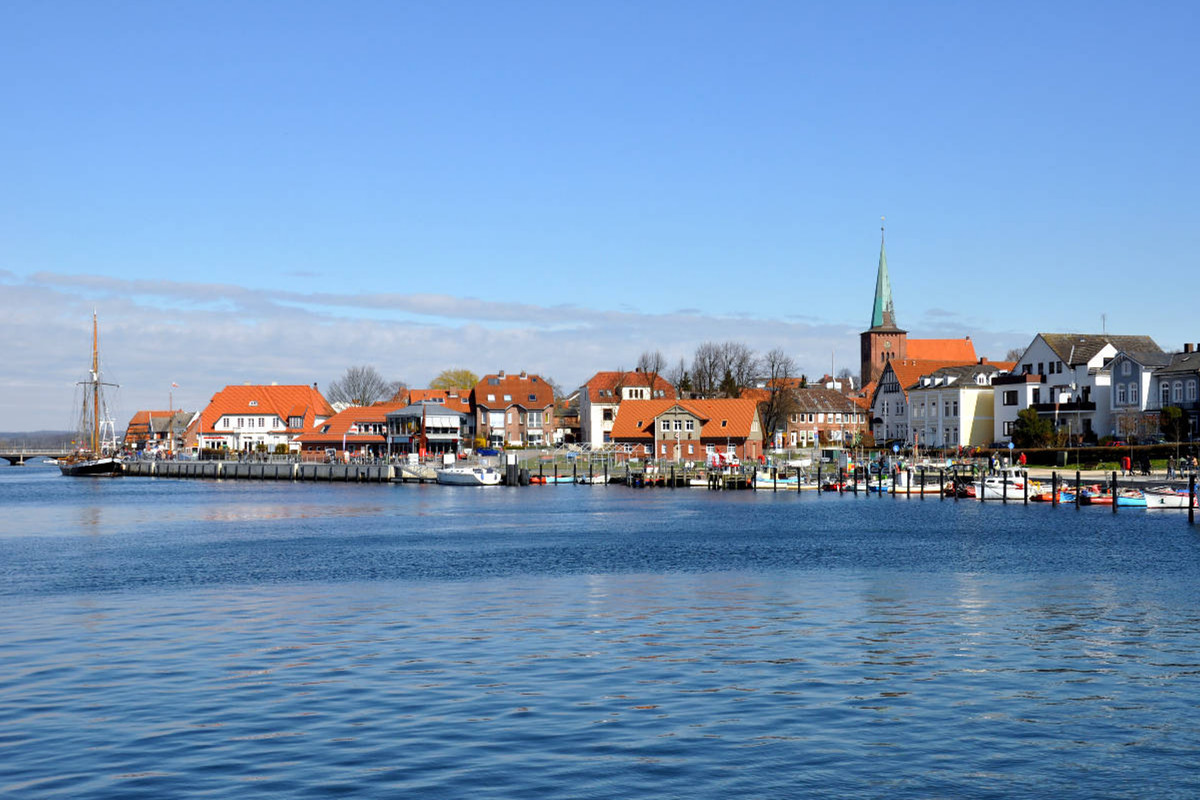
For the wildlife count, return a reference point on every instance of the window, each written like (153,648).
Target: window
(691,449)
(492,398)
(666,425)
(1191,391)
(533,398)
(1134,391)
(723,422)
(1041,368)
(510,417)
(946,410)
(1008,428)
(1037,395)
(533,419)
(1177,392)
(261,422)
(689,425)
(664,448)
(1120,394)
(253,403)
(241,422)
(1126,368)
(508,398)
(1010,398)
(678,424)
(608,415)
(1164,394)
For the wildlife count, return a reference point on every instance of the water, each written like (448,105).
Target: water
(191,638)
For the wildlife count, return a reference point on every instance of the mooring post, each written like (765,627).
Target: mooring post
(1114,491)
(1054,489)
(1192,499)
(1078,487)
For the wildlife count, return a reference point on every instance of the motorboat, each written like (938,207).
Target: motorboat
(1163,497)
(468,476)
(1007,483)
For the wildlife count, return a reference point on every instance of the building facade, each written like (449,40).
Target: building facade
(600,397)
(513,410)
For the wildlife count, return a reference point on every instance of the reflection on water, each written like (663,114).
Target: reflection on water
(166,638)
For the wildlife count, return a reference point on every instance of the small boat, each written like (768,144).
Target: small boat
(763,480)
(543,479)
(592,479)
(96,456)
(1163,497)
(1009,483)
(468,476)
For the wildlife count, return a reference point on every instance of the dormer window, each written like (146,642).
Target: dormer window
(253,402)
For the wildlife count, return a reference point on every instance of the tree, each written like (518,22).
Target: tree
(448,379)
(649,365)
(1030,430)
(1173,423)
(360,386)
(1014,355)
(679,378)
(398,391)
(715,367)
(781,401)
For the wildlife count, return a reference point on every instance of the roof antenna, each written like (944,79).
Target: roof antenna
(1104,323)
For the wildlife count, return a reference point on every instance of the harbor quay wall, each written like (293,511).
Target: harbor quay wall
(226,470)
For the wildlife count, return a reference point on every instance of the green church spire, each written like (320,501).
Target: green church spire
(883,315)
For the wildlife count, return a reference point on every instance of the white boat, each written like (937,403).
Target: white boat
(1165,497)
(468,476)
(1009,483)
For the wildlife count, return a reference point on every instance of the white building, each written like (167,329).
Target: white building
(953,407)
(600,397)
(1064,377)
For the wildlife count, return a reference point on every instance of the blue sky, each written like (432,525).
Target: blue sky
(276,191)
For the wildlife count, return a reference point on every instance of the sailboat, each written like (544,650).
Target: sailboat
(95,456)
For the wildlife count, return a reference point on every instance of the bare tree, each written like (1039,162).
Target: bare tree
(398,391)
(780,368)
(1014,355)
(679,378)
(740,362)
(360,386)
(649,365)
(707,369)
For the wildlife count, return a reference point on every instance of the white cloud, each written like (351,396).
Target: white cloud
(204,336)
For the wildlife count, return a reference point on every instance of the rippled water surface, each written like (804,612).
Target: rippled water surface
(189,638)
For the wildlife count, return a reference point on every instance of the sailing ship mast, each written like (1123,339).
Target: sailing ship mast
(95,384)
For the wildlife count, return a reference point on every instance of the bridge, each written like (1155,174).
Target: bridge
(17,457)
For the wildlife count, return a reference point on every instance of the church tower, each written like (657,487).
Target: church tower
(883,341)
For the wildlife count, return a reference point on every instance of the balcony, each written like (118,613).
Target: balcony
(1073,407)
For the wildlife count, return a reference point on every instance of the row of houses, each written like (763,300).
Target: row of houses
(1087,386)
(502,410)
(920,392)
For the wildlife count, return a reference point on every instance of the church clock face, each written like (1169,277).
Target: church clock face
(887,345)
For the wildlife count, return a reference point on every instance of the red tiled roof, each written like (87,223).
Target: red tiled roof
(281,401)
(960,351)
(527,391)
(908,371)
(635,418)
(609,381)
(339,425)
(456,399)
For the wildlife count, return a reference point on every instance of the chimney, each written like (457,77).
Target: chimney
(500,374)
(1187,347)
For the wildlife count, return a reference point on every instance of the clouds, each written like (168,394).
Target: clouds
(206,335)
